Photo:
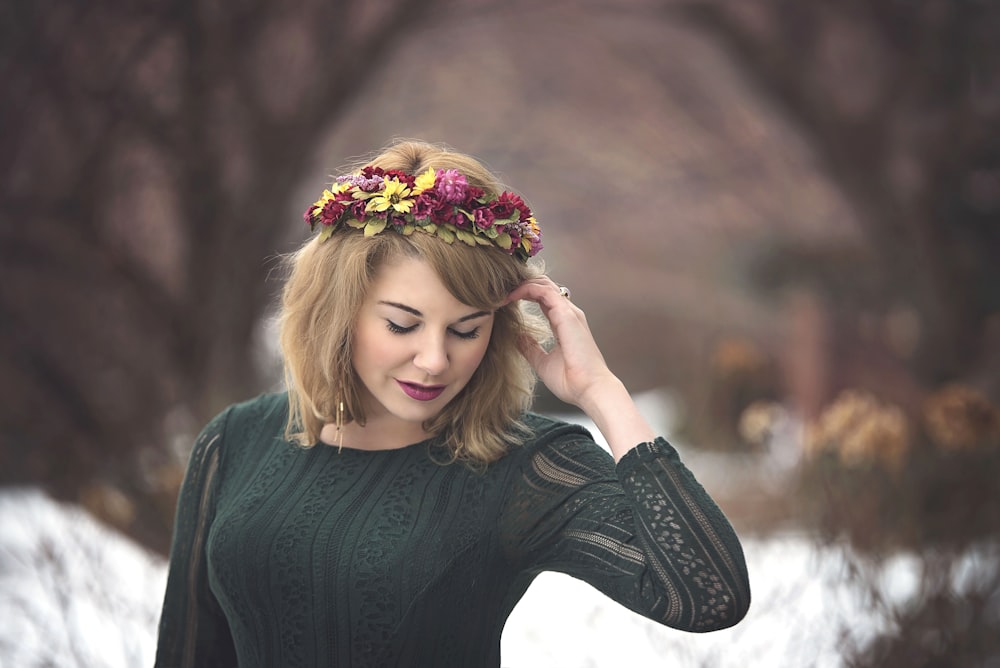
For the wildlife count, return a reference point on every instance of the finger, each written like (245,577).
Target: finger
(532,350)
(542,291)
(529,290)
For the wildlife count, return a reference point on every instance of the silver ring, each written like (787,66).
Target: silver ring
(564,291)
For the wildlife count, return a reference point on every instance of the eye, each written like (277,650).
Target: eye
(398,329)
(472,334)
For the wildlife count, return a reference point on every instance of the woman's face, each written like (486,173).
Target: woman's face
(415,346)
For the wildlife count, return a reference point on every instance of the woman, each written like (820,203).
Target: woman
(392,507)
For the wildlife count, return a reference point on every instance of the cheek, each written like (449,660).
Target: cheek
(372,347)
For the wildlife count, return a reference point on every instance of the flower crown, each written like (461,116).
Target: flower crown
(435,202)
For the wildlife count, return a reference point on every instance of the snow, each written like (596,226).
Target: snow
(72,592)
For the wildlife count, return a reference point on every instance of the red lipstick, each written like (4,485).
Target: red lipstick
(421,392)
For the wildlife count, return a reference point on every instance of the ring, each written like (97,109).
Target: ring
(564,291)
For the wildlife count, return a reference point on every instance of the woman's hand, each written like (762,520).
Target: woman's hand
(574,366)
(575,371)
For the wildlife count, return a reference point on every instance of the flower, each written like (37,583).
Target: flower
(760,420)
(483,218)
(860,430)
(369,180)
(394,194)
(435,202)
(424,181)
(959,417)
(452,185)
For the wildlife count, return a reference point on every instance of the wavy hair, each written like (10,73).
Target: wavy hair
(328,283)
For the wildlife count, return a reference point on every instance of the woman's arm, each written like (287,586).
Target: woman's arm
(641,529)
(193,630)
(644,532)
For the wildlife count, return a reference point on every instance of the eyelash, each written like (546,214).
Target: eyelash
(398,329)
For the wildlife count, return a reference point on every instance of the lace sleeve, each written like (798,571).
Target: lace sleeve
(193,630)
(645,533)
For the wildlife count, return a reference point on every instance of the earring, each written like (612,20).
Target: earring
(340,426)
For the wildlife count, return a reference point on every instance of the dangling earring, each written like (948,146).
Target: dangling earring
(340,426)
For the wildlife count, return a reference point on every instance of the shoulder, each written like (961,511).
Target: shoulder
(245,433)
(545,429)
(262,408)
(260,415)
(558,459)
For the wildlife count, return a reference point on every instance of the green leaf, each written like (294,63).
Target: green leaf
(374,227)
(504,241)
(466,236)
(325,233)
(446,234)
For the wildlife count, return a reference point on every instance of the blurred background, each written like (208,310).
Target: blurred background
(782,217)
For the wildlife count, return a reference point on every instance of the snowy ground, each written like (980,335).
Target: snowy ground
(73,593)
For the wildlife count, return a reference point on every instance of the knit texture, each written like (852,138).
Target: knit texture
(284,556)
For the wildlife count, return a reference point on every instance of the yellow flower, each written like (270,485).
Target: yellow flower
(759,421)
(394,195)
(321,202)
(959,417)
(861,429)
(424,181)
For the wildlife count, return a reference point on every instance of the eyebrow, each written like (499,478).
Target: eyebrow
(413,311)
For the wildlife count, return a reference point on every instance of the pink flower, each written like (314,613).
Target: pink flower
(452,186)
(484,218)
(370,179)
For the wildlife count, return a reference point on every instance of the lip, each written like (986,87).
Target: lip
(421,392)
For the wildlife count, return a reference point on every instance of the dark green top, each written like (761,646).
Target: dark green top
(284,556)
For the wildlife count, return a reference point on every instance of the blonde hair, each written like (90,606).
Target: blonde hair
(329,281)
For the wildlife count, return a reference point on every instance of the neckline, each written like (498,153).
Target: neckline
(431,442)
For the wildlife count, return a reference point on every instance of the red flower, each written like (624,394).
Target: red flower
(400,176)
(502,208)
(425,205)
(331,213)
(471,195)
(515,201)
(358,209)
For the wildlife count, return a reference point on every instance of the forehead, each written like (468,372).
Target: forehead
(413,282)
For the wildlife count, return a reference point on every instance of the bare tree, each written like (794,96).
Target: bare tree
(148,155)
(900,102)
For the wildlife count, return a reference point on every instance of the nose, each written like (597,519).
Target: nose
(432,356)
